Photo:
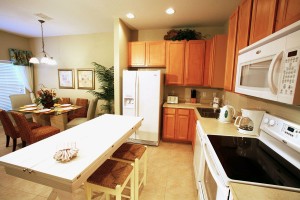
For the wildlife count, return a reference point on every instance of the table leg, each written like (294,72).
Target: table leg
(59,121)
(41,119)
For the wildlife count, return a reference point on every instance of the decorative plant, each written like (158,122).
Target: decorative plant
(185,34)
(105,77)
(46,97)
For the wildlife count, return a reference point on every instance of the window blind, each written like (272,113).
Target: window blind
(9,84)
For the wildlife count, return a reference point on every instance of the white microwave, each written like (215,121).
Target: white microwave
(271,71)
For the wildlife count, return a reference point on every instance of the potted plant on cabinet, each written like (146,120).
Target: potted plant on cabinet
(105,77)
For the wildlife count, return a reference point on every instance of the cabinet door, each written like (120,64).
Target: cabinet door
(182,124)
(136,53)
(263,19)
(217,61)
(288,12)
(244,23)
(231,53)
(175,62)
(169,120)
(194,62)
(207,75)
(156,54)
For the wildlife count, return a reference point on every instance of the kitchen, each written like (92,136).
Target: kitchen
(204,95)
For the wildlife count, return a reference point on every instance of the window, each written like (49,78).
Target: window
(10,83)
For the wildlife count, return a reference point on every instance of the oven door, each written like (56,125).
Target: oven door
(212,186)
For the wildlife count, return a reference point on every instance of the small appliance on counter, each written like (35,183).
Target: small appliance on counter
(216,102)
(249,122)
(227,113)
(193,96)
(172,99)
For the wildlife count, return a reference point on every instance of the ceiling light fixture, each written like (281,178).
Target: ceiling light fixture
(170,11)
(130,15)
(46,59)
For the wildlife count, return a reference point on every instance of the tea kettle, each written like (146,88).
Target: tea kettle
(227,113)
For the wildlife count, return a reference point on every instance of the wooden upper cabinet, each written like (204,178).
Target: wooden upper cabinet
(194,62)
(244,23)
(147,54)
(263,19)
(288,12)
(231,51)
(206,75)
(215,62)
(136,53)
(156,53)
(175,52)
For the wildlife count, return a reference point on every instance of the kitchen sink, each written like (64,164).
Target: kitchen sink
(209,112)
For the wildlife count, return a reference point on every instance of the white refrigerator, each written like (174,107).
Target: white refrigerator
(143,96)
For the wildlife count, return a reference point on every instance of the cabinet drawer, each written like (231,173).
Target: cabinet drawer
(183,111)
(170,111)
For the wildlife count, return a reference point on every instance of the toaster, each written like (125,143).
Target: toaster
(172,99)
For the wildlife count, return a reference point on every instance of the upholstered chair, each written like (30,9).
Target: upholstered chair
(19,100)
(90,115)
(81,112)
(64,100)
(12,131)
(30,136)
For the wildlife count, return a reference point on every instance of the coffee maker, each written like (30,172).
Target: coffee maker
(249,122)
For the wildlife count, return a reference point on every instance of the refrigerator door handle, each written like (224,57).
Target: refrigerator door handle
(137,94)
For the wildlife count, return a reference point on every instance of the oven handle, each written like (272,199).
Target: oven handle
(271,83)
(213,171)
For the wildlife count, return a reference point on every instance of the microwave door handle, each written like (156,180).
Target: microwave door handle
(272,85)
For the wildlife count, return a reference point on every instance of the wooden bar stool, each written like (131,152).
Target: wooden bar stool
(111,178)
(137,154)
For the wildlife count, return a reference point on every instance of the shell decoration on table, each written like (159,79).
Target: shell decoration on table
(65,155)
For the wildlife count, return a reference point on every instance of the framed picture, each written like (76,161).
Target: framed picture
(86,79)
(66,78)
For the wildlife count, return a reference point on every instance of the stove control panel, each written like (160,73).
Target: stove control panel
(283,130)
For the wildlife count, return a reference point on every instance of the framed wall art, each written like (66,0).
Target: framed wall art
(66,78)
(86,79)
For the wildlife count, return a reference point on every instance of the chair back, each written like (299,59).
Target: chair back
(82,112)
(92,109)
(7,124)
(23,126)
(64,100)
(18,100)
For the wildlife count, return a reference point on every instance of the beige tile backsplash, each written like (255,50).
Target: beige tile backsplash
(289,112)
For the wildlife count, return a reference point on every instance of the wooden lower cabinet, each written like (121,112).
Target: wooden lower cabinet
(177,124)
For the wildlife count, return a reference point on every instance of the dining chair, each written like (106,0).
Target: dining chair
(81,112)
(64,100)
(30,136)
(12,131)
(90,115)
(19,100)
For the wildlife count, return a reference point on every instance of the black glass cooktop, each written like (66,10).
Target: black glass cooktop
(249,159)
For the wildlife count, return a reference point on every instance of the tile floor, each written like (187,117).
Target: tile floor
(170,176)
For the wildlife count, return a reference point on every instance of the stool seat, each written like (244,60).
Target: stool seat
(111,173)
(129,151)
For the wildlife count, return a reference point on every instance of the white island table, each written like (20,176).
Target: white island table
(96,140)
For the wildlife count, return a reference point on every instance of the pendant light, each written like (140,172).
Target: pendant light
(46,59)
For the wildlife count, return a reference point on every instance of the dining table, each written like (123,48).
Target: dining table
(95,140)
(56,116)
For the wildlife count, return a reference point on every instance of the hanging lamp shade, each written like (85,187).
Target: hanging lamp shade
(46,59)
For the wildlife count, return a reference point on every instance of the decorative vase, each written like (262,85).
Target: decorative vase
(48,104)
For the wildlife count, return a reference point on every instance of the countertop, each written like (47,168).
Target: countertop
(240,191)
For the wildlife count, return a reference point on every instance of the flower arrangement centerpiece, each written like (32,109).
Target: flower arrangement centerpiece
(46,97)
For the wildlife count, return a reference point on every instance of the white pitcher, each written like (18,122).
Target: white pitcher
(227,113)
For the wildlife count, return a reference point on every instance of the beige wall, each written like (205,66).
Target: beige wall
(285,111)
(8,40)
(158,34)
(72,52)
(121,38)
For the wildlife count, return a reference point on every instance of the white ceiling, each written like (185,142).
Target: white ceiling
(72,17)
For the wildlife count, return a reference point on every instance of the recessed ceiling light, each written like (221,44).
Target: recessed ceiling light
(130,15)
(170,11)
